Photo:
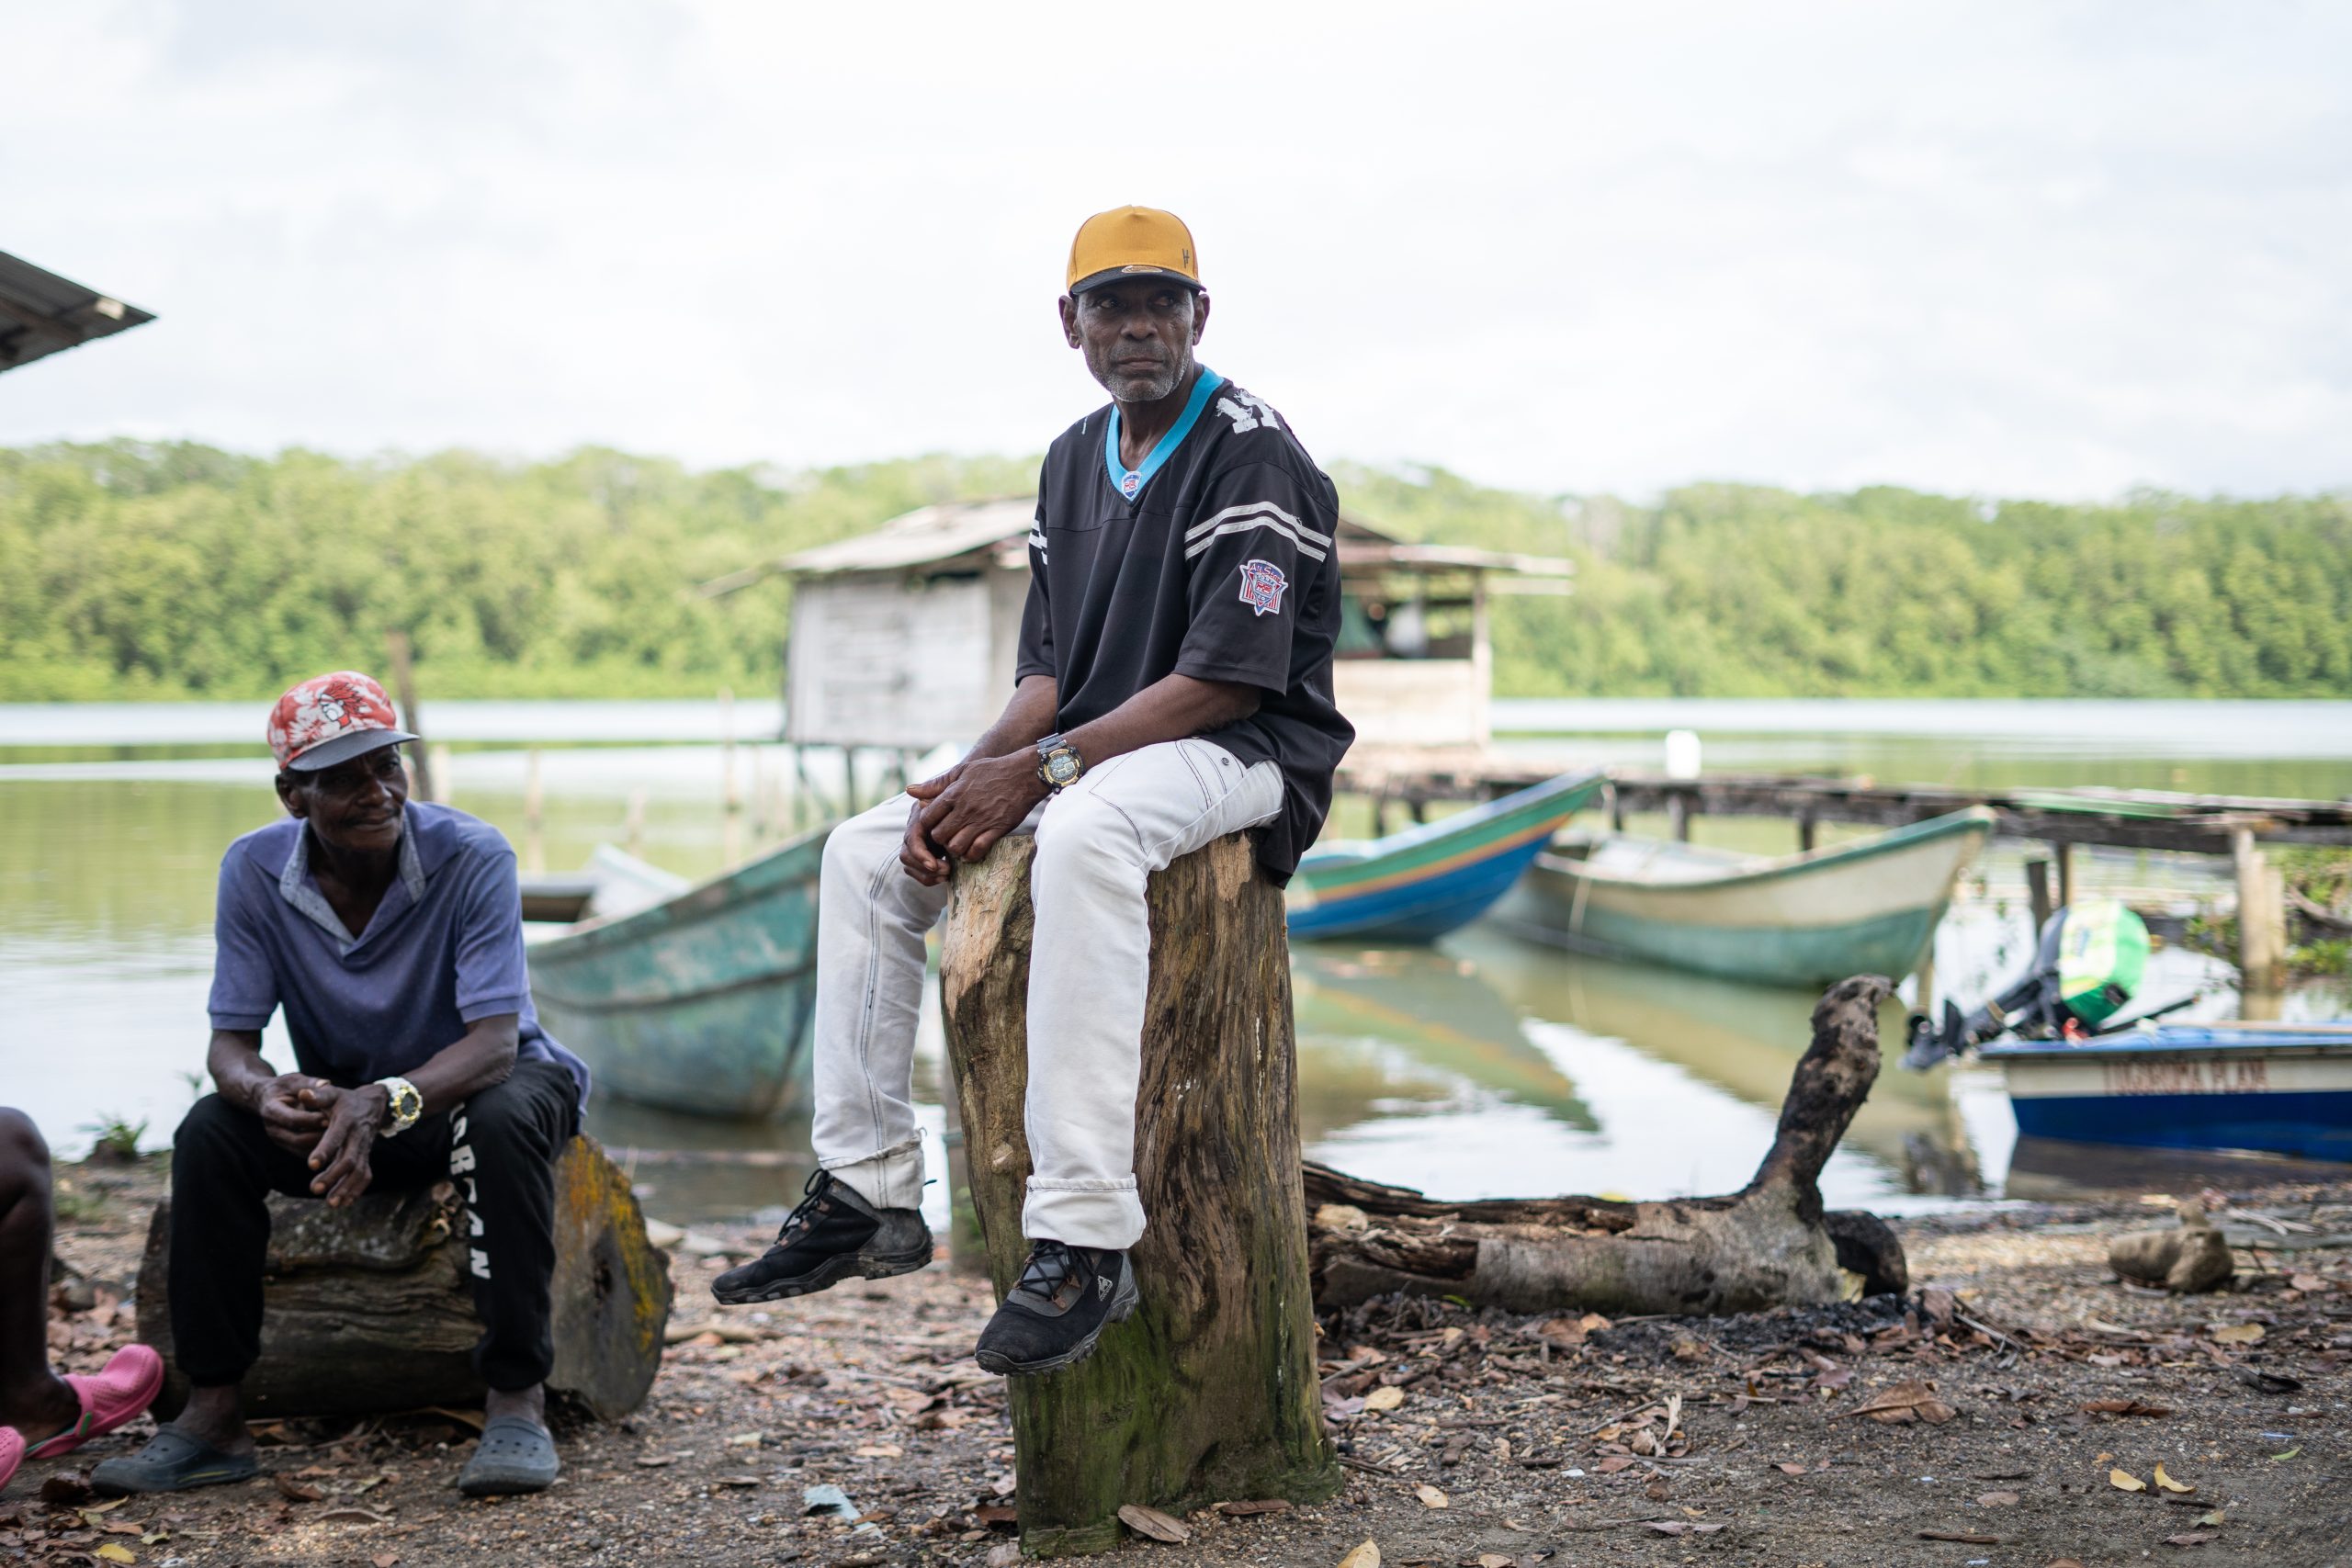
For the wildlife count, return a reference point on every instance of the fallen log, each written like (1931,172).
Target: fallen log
(1770,1243)
(366,1310)
(1209,1392)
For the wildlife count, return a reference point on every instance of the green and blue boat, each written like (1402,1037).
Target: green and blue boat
(1866,907)
(1420,884)
(698,998)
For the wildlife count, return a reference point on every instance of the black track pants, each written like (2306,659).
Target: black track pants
(499,1147)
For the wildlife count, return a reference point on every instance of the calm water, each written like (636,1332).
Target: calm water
(1487,1066)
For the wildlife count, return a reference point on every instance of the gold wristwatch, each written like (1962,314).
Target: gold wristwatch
(401,1109)
(1058,763)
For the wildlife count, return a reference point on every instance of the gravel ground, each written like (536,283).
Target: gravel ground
(2014,1382)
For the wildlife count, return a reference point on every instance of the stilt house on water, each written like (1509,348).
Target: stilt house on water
(904,638)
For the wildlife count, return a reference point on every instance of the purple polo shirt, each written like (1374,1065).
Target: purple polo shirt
(443,949)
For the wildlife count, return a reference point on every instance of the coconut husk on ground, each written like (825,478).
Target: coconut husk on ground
(1552,1438)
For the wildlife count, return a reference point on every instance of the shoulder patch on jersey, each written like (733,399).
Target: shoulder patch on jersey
(1246,411)
(1261,586)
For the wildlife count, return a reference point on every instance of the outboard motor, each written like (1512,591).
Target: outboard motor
(2086,967)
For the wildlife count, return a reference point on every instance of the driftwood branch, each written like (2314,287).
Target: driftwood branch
(1766,1244)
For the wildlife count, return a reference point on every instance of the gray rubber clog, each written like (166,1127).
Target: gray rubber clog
(173,1461)
(515,1454)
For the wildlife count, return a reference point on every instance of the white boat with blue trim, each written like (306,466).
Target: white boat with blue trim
(2274,1088)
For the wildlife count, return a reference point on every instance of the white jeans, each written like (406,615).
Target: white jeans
(1097,843)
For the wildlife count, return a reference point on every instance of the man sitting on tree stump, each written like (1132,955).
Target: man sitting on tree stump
(1173,686)
(391,934)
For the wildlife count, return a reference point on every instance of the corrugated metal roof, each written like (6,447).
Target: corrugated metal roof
(42,313)
(995,531)
(927,537)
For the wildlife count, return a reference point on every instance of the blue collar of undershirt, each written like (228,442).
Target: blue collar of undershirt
(1129,483)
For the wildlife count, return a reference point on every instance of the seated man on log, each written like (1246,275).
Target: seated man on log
(1173,686)
(391,935)
(43,1414)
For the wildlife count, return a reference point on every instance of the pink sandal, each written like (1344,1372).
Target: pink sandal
(12,1453)
(124,1388)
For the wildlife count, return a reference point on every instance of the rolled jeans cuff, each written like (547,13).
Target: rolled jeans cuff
(891,1179)
(1084,1213)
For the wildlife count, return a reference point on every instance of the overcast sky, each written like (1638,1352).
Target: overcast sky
(2038,248)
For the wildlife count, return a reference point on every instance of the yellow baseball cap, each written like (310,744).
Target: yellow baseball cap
(1128,240)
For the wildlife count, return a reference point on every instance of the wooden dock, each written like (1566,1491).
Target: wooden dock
(2234,826)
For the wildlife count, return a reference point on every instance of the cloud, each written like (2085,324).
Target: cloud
(2022,248)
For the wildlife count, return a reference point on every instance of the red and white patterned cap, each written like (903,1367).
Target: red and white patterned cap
(331,718)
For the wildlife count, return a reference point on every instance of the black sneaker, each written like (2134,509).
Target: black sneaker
(833,1235)
(1057,1310)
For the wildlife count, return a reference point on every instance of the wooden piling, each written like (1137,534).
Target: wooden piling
(2064,853)
(2037,892)
(1808,833)
(535,855)
(2262,915)
(420,767)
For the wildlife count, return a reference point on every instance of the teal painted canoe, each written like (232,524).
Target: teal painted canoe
(1866,907)
(698,1001)
(1420,884)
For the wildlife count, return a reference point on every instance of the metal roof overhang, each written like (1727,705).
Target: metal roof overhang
(42,313)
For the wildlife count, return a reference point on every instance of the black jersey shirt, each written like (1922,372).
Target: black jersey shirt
(1214,560)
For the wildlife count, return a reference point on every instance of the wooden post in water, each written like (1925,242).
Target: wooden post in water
(2037,892)
(1209,1392)
(420,767)
(1678,815)
(2262,915)
(2065,854)
(535,853)
(1808,830)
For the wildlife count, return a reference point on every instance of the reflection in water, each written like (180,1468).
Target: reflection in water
(1495,1067)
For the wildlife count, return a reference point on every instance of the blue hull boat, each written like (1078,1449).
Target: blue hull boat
(2280,1089)
(1420,884)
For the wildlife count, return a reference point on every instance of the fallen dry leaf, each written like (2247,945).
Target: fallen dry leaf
(655,1461)
(881,1450)
(1245,1510)
(1430,1496)
(2239,1333)
(1790,1469)
(1386,1397)
(2124,1481)
(2190,1537)
(354,1514)
(386,1560)
(113,1554)
(296,1491)
(2307,1283)
(1681,1527)
(2214,1517)
(1153,1523)
(2125,1407)
(1365,1556)
(65,1489)
(1904,1402)
(1970,1538)
(2170,1484)
(1496,1560)
(1998,1500)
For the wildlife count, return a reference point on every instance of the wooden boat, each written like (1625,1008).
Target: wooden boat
(1866,907)
(698,1000)
(2276,1088)
(1419,885)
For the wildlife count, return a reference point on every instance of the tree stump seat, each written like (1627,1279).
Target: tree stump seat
(366,1310)
(1209,1391)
